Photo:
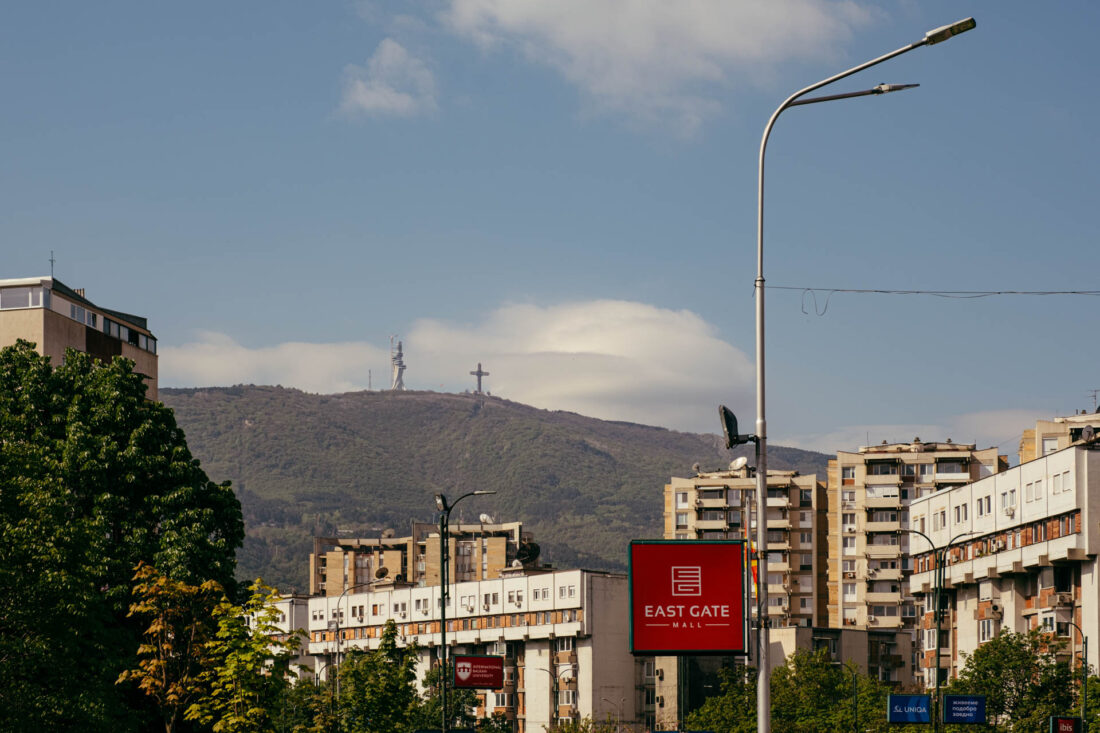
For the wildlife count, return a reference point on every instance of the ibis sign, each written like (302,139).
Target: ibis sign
(687,597)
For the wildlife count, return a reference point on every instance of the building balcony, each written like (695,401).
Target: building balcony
(890,479)
(883,551)
(779,523)
(883,597)
(882,502)
(780,502)
(702,524)
(718,503)
(958,478)
(781,545)
(884,573)
(884,622)
(777,589)
(881,527)
(778,611)
(778,566)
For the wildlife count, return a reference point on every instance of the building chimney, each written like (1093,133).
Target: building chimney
(79,291)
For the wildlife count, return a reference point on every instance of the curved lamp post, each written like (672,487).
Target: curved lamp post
(619,708)
(763,698)
(554,678)
(1084,675)
(445,508)
(939,553)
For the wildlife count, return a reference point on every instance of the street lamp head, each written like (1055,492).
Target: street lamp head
(483,493)
(441,502)
(949,31)
(884,88)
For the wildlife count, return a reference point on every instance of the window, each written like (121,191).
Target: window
(1029,493)
(1039,489)
(985,630)
(567,697)
(849,545)
(960,513)
(504,699)
(848,495)
(849,521)
(1056,484)
(882,469)
(565,644)
(1049,445)
(848,566)
(850,592)
(805,538)
(848,472)
(681,499)
(926,472)
(681,520)
(805,497)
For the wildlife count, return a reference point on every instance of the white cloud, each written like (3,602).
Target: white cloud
(609,359)
(215,359)
(991,428)
(654,59)
(394,83)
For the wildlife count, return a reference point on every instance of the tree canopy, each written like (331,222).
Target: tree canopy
(95,480)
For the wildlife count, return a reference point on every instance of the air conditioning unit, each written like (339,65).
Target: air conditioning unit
(850,575)
(1062,599)
(998,545)
(1010,511)
(996,610)
(872,572)
(401,614)
(698,503)
(485,606)
(871,619)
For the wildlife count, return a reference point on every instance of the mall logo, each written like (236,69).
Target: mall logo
(687,580)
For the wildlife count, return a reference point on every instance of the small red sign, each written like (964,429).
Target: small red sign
(687,597)
(1060,724)
(478,671)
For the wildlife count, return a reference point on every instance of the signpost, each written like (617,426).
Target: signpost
(964,708)
(687,597)
(476,671)
(1065,724)
(909,709)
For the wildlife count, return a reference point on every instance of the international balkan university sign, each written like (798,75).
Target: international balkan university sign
(687,597)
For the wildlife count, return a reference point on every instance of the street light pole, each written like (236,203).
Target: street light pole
(763,691)
(940,555)
(619,712)
(445,508)
(1084,675)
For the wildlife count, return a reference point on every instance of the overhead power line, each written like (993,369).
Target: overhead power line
(964,294)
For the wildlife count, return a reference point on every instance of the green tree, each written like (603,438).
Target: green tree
(584,725)
(250,670)
(378,687)
(96,479)
(496,723)
(733,710)
(812,693)
(172,655)
(461,702)
(1023,681)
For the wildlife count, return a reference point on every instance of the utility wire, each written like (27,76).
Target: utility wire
(811,293)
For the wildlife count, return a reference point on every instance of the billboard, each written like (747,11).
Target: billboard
(478,671)
(1065,724)
(909,709)
(964,708)
(687,597)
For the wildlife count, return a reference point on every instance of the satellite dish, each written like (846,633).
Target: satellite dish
(517,564)
(387,533)
(528,553)
(696,467)
(399,578)
(738,463)
(381,572)
(486,519)
(1088,432)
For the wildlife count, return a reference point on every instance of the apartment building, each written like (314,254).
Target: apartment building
(55,317)
(1022,555)
(562,635)
(722,505)
(870,492)
(1057,433)
(477,552)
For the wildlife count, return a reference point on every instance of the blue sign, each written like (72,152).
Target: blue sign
(964,708)
(909,709)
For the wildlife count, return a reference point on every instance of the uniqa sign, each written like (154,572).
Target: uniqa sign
(687,597)
(909,709)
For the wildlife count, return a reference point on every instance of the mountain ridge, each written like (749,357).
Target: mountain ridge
(359,462)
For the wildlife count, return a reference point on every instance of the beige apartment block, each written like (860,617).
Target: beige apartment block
(870,492)
(722,505)
(1057,433)
(477,552)
(562,635)
(1027,558)
(55,317)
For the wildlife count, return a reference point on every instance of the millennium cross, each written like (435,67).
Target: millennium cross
(479,374)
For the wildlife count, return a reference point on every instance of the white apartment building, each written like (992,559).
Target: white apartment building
(1026,557)
(563,635)
(870,493)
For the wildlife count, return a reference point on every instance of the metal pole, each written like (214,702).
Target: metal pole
(1084,682)
(939,555)
(444,579)
(763,690)
(855,700)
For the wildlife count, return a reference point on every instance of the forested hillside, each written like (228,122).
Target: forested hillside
(361,462)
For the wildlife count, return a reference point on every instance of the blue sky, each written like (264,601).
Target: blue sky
(566,192)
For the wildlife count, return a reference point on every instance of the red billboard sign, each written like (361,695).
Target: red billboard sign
(687,597)
(478,671)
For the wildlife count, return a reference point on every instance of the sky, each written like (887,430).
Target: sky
(565,192)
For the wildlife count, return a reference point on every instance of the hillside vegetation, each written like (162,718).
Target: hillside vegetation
(357,463)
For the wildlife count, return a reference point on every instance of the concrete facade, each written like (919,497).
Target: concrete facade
(870,492)
(1028,561)
(477,551)
(562,635)
(55,317)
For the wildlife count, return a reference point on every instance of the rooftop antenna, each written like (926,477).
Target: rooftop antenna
(1093,392)
(52,260)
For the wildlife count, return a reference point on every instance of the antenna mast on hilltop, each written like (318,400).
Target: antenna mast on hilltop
(397,358)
